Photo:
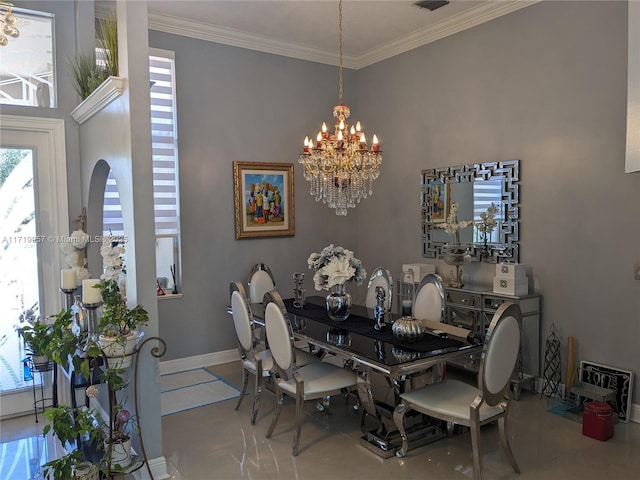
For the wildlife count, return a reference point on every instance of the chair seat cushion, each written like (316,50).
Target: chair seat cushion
(267,363)
(320,378)
(451,398)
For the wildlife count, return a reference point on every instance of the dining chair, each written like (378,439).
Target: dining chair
(380,277)
(255,360)
(429,300)
(463,404)
(309,382)
(261,281)
(255,357)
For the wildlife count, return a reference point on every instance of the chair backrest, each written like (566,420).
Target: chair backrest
(429,301)
(242,318)
(500,352)
(261,281)
(380,278)
(279,334)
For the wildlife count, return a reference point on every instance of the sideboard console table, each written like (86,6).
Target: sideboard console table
(473,308)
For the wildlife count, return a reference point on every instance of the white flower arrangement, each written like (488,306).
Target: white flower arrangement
(112,262)
(487,221)
(452,226)
(335,266)
(73,249)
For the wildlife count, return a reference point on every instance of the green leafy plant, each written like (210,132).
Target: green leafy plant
(117,319)
(87,74)
(72,426)
(38,338)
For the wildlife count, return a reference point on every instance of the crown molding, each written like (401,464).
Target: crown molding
(102,96)
(446,27)
(228,36)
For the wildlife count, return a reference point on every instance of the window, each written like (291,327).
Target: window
(27,62)
(165,173)
(486,192)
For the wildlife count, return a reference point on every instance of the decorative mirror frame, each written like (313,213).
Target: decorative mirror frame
(509,250)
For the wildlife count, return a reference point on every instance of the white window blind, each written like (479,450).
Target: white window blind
(486,192)
(164,153)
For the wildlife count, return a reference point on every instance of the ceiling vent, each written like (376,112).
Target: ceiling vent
(431,4)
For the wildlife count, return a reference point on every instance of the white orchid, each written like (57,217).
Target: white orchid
(452,226)
(487,220)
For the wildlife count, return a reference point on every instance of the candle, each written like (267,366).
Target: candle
(374,145)
(406,308)
(306,144)
(325,133)
(68,279)
(91,295)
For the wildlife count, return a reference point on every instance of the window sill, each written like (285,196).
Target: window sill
(169,296)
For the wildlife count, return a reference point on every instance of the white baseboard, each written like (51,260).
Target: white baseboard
(158,467)
(198,361)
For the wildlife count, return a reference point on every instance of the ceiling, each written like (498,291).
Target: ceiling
(308,29)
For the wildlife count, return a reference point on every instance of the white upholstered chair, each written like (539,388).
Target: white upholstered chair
(314,381)
(460,403)
(380,277)
(255,361)
(260,282)
(429,300)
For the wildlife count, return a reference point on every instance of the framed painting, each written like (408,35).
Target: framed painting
(614,378)
(440,201)
(263,194)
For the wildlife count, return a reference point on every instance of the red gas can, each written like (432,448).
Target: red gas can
(597,421)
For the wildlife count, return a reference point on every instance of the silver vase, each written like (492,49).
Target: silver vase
(338,304)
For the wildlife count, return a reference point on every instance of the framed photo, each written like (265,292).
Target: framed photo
(440,201)
(263,195)
(614,378)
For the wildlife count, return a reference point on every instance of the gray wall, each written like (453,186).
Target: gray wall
(546,84)
(237,104)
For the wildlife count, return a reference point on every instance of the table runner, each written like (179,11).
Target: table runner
(364,326)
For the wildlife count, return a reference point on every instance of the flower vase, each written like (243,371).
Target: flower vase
(457,256)
(338,304)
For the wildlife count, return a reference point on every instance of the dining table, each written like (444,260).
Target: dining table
(367,349)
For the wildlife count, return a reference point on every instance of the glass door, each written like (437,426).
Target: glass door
(19,283)
(29,251)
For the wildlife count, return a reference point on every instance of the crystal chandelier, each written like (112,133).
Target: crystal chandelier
(8,20)
(339,165)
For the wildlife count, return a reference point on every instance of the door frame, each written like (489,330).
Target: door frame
(46,137)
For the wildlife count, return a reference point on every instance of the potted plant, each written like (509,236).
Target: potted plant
(75,428)
(117,440)
(86,73)
(118,325)
(37,338)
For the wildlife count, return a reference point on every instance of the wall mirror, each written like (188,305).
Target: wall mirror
(474,188)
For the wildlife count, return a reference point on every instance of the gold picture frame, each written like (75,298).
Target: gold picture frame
(263,194)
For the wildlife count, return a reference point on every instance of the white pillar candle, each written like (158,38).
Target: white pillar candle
(91,295)
(68,279)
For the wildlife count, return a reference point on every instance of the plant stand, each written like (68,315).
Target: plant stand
(40,402)
(138,461)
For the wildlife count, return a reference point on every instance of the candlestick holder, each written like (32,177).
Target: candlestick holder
(68,292)
(298,290)
(92,315)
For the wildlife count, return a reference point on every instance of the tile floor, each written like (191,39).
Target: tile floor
(218,443)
